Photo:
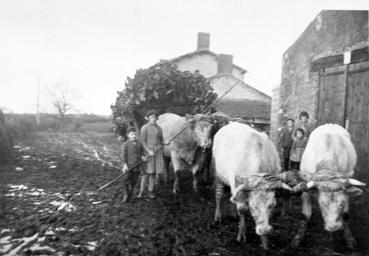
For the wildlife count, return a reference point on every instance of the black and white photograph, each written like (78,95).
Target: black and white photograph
(175,128)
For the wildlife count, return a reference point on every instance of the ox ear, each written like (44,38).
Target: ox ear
(240,192)
(190,119)
(354,191)
(240,196)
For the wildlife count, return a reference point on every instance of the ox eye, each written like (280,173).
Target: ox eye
(341,205)
(272,204)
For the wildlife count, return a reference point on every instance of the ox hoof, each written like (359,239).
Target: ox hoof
(264,242)
(351,244)
(218,216)
(175,190)
(295,242)
(218,220)
(241,237)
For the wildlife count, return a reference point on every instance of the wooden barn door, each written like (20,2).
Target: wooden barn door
(332,96)
(357,114)
(344,99)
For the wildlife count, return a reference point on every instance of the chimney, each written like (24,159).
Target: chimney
(225,64)
(203,41)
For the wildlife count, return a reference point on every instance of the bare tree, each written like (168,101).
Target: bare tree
(62,96)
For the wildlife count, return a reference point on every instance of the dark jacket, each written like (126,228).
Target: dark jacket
(132,151)
(286,138)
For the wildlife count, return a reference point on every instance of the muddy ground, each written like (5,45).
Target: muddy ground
(47,208)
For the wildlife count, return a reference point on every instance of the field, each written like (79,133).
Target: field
(50,206)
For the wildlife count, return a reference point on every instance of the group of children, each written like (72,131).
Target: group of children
(143,156)
(293,141)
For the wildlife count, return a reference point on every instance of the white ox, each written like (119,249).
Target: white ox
(327,164)
(247,161)
(186,135)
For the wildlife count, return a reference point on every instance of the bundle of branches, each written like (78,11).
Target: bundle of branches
(164,88)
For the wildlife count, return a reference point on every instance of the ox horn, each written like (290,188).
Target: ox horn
(277,184)
(310,184)
(300,187)
(242,187)
(285,186)
(325,185)
(354,182)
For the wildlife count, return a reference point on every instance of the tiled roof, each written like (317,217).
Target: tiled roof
(242,83)
(246,109)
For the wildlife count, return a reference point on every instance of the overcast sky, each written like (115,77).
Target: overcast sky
(95,45)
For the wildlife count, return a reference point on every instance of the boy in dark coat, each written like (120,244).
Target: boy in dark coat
(133,156)
(286,142)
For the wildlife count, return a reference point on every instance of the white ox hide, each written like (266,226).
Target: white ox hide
(189,133)
(247,161)
(328,163)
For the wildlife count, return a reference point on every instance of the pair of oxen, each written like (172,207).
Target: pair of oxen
(247,161)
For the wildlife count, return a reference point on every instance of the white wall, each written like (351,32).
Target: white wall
(237,73)
(223,83)
(206,64)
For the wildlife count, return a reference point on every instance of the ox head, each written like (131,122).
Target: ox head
(201,126)
(258,195)
(333,196)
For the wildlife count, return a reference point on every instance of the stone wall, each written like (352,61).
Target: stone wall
(274,119)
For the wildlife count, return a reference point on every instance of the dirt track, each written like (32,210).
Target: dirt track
(47,210)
